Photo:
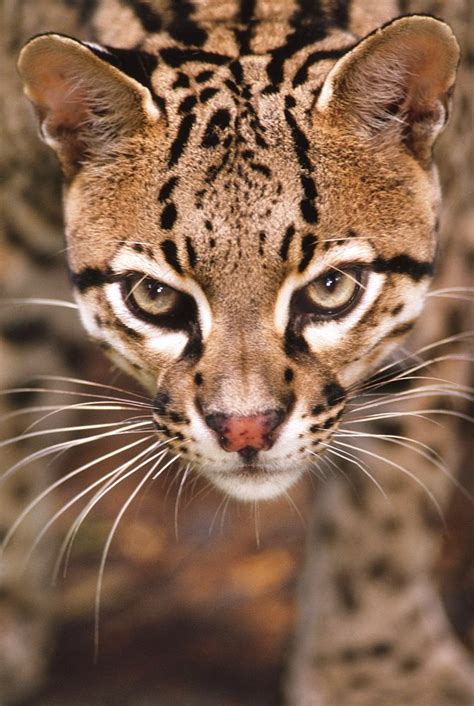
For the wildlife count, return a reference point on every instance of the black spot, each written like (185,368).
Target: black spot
(161,402)
(169,216)
(182,138)
(334,393)
(187,104)
(167,189)
(288,375)
(308,246)
(237,71)
(198,378)
(204,76)
(403,265)
(317,409)
(192,257)
(207,93)
(397,309)
(170,253)
(218,121)
(286,242)
(208,225)
(182,81)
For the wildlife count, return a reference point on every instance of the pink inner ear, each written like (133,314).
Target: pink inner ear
(62,98)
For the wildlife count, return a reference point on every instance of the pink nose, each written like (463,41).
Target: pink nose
(246,435)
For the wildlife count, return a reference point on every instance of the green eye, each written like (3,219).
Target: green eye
(149,297)
(334,292)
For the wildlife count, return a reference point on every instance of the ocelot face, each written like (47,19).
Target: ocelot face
(250,255)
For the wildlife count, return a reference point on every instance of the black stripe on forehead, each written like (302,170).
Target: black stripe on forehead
(183,28)
(149,19)
(181,140)
(404,265)
(308,246)
(170,253)
(286,242)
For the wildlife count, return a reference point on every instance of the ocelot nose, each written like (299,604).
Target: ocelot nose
(246,435)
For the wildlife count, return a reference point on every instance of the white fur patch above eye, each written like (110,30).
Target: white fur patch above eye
(128,260)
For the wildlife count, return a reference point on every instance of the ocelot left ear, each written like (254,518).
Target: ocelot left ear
(394,86)
(85,104)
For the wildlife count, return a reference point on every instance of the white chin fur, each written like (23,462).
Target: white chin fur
(249,488)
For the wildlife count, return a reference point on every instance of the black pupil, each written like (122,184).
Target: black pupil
(331,281)
(154,289)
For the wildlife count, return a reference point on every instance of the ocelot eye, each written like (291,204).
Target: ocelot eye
(156,302)
(333,293)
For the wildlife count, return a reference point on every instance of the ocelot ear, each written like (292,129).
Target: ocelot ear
(395,85)
(85,104)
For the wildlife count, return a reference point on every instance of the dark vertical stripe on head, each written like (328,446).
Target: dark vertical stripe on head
(340,13)
(244,35)
(170,253)
(192,257)
(181,140)
(167,189)
(183,28)
(149,19)
(286,242)
(169,216)
(308,246)
(300,141)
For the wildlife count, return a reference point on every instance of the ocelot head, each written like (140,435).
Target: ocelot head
(250,249)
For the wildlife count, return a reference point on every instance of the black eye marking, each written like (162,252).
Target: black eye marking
(167,189)
(192,257)
(169,216)
(198,378)
(289,375)
(403,265)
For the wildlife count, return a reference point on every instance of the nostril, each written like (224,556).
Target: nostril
(217,422)
(246,435)
(248,453)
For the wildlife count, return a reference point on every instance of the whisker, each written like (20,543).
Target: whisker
(40,302)
(113,479)
(178,498)
(91,383)
(108,543)
(70,443)
(65,430)
(62,481)
(399,467)
(347,456)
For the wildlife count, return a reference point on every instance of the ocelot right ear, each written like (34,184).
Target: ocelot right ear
(394,86)
(86,105)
